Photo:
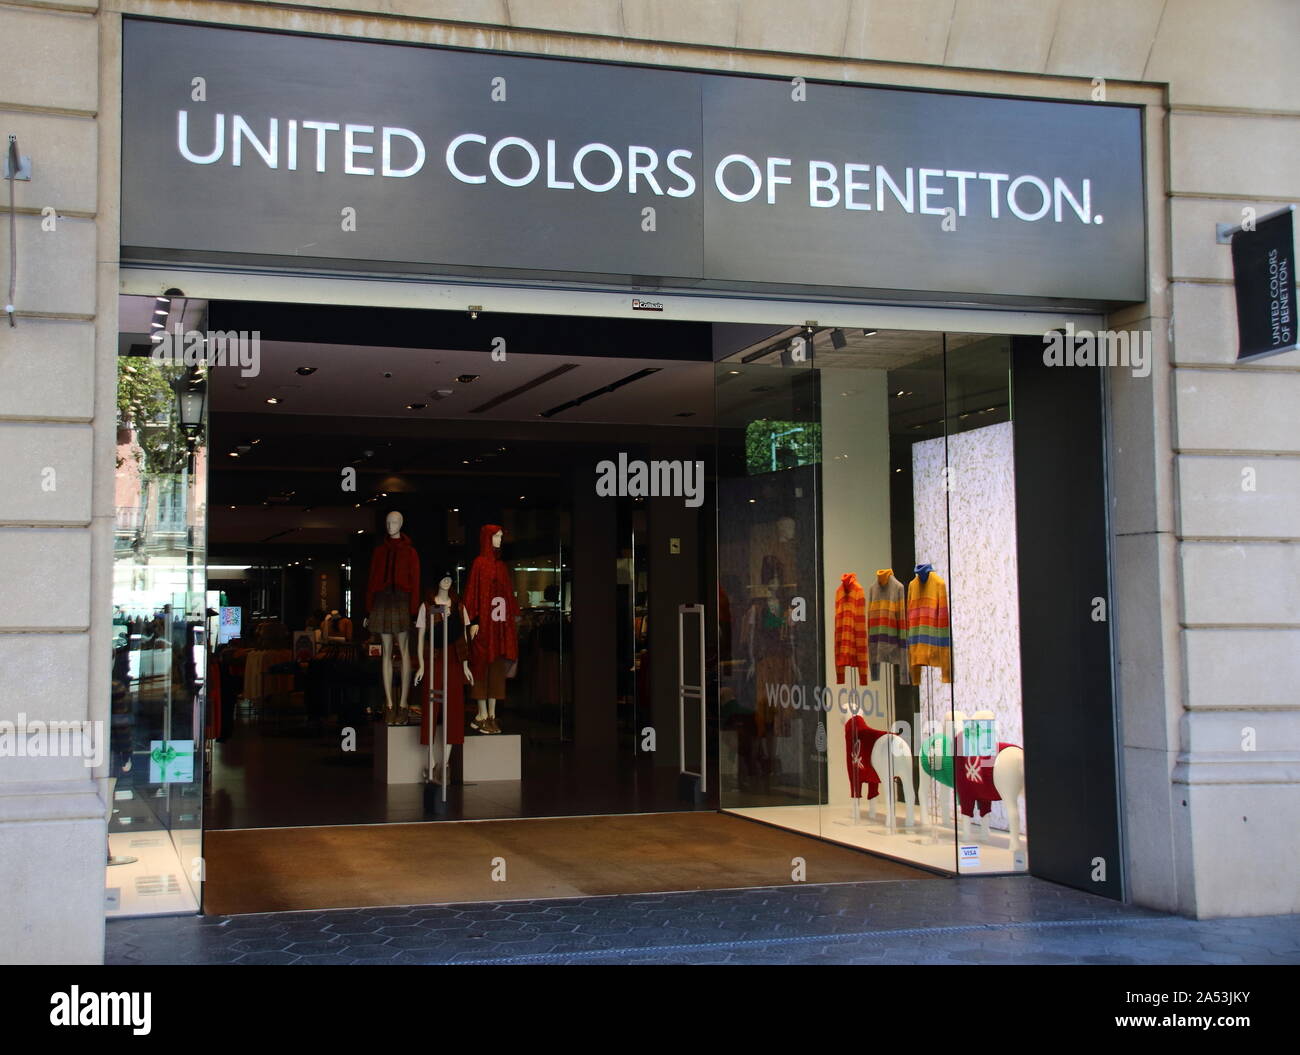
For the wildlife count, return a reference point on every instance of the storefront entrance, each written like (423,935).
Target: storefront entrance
(758,570)
(461,426)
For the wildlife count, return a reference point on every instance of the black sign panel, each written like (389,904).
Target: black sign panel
(1263,269)
(274,147)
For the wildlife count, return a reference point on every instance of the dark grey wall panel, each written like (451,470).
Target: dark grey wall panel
(1069,709)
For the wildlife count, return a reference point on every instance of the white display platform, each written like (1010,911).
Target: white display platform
(926,846)
(154,883)
(400,758)
(494,757)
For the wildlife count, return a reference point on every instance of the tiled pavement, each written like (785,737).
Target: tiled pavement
(1002,920)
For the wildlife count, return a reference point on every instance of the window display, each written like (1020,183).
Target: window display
(913,469)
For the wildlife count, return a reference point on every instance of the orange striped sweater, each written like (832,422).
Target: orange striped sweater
(929,631)
(850,629)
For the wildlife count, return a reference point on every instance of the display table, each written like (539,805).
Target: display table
(400,758)
(491,758)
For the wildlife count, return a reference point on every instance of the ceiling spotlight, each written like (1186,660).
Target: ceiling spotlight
(306,371)
(869,333)
(416,406)
(234,454)
(273,401)
(255,442)
(361,531)
(465,379)
(838,340)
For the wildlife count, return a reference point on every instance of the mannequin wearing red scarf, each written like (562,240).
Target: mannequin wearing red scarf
(491,612)
(392,596)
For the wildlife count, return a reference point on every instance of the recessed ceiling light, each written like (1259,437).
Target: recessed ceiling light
(273,400)
(416,406)
(455,509)
(255,442)
(465,379)
(306,371)
(869,333)
(733,371)
(361,531)
(234,454)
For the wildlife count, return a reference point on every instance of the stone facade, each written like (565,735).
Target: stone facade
(1206,614)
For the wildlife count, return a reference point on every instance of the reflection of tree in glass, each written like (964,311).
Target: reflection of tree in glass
(771,446)
(146,411)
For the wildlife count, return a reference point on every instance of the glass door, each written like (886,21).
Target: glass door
(771,629)
(161,619)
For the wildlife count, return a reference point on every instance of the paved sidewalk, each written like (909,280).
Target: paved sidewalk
(1003,920)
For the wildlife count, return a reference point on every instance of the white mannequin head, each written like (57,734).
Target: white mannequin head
(393,523)
(785,529)
(496,540)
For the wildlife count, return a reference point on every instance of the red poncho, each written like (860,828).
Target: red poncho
(394,566)
(489,578)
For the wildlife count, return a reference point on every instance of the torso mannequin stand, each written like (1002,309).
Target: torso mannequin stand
(394,582)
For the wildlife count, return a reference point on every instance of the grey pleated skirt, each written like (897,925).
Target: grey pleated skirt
(391,613)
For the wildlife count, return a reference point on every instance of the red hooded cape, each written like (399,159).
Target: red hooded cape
(489,578)
(395,565)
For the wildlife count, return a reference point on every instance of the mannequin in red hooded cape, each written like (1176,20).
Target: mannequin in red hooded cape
(491,614)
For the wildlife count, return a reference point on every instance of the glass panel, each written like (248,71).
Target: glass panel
(882,416)
(770,601)
(160,625)
(983,592)
(904,544)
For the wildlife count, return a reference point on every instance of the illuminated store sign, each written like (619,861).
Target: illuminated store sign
(376,156)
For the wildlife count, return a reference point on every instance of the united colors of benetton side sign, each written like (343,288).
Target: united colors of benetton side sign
(279,147)
(1263,269)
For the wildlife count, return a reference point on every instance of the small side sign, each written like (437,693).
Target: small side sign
(1263,269)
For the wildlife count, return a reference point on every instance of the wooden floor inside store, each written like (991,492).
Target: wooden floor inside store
(291,869)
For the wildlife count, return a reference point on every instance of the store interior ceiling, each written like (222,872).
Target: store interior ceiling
(453,421)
